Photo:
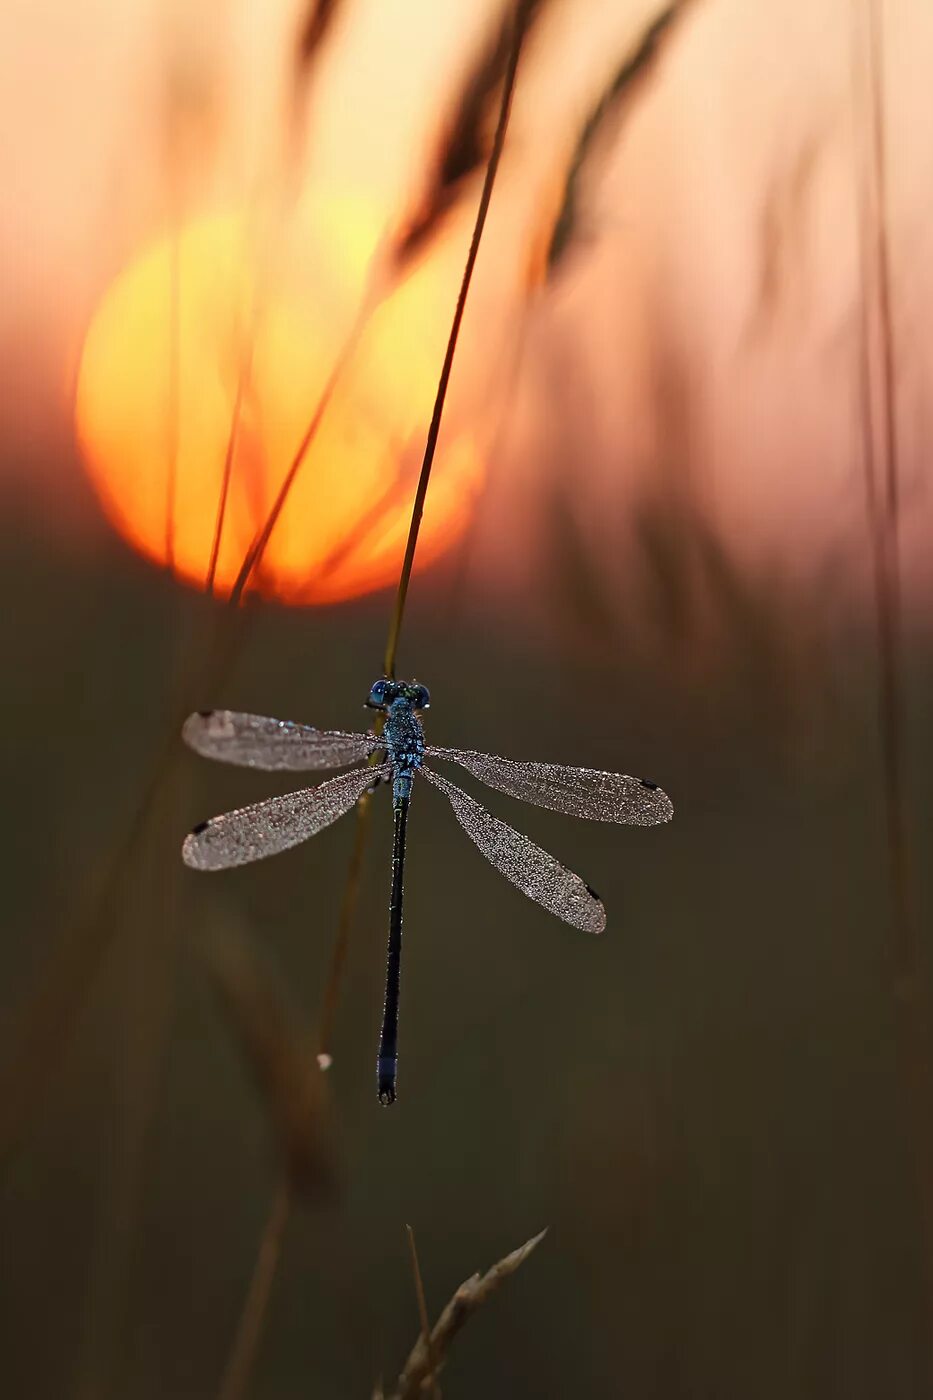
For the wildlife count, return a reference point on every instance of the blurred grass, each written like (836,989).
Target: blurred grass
(465,139)
(627,82)
(878,360)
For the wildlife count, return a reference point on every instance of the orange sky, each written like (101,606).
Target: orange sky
(707,317)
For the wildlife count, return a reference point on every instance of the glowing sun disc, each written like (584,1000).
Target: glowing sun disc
(190,322)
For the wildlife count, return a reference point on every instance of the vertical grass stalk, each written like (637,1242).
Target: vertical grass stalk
(431,1378)
(242,1356)
(430,448)
(881,454)
(173,393)
(246,1341)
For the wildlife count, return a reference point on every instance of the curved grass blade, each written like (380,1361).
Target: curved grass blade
(533,871)
(636,67)
(580,792)
(463,142)
(315,24)
(519,29)
(265,828)
(429,1354)
(273,745)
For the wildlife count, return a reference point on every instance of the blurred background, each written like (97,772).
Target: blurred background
(680,524)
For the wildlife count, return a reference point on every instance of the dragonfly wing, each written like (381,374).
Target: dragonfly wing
(275,745)
(263,829)
(581,792)
(533,871)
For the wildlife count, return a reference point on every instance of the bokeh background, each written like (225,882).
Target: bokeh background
(652,548)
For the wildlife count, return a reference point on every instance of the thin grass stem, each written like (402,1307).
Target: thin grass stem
(242,1358)
(492,166)
(243,378)
(431,1377)
(146,1011)
(881,456)
(257,549)
(350,894)
(246,1341)
(50,1013)
(173,404)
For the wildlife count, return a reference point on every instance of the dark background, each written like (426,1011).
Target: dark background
(702,1105)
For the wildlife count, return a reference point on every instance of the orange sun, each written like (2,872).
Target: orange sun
(198,322)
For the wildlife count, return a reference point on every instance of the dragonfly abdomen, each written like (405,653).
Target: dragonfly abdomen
(401,786)
(387,1060)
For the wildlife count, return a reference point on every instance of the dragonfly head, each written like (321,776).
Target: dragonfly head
(385,691)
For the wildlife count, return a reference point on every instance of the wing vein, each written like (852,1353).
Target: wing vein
(273,745)
(265,828)
(580,792)
(532,870)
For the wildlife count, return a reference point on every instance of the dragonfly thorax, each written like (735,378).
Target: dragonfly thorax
(404,737)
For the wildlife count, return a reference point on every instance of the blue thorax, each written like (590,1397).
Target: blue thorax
(404,739)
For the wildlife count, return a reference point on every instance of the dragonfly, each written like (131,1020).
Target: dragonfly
(397,755)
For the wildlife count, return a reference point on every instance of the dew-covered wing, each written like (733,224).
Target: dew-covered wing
(274,745)
(535,873)
(263,829)
(581,792)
